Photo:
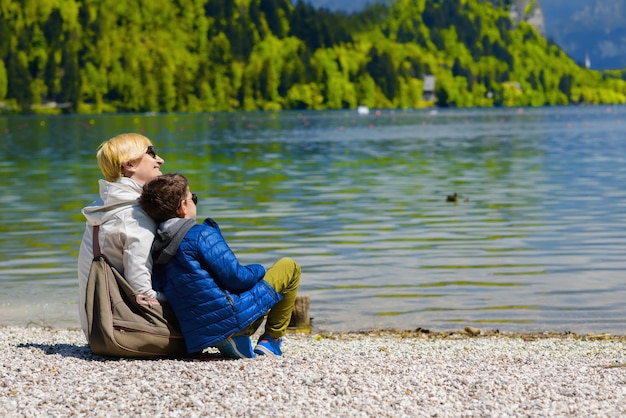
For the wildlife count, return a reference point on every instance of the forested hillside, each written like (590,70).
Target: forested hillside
(221,55)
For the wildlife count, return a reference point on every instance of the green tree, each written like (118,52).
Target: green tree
(4,82)
(270,9)
(381,68)
(565,85)
(19,81)
(70,82)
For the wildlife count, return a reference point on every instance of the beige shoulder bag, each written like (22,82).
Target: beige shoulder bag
(118,325)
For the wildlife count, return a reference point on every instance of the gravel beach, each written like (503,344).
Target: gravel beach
(51,372)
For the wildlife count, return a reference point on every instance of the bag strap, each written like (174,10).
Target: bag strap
(96,241)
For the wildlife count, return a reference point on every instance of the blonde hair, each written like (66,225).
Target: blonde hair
(119,150)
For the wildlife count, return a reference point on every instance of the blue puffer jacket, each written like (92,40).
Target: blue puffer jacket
(212,295)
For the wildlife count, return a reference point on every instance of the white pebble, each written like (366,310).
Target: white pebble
(51,372)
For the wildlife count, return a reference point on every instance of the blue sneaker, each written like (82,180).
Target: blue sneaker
(268,346)
(236,347)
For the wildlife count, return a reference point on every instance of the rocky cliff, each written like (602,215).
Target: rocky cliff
(531,12)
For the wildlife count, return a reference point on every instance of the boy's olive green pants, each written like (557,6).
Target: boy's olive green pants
(284,277)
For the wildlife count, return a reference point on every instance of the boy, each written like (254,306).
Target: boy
(218,301)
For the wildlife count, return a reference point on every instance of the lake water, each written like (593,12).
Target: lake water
(535,242)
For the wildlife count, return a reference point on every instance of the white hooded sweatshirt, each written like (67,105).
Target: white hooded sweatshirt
(125,236)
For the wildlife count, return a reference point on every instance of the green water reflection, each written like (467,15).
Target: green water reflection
(360,202)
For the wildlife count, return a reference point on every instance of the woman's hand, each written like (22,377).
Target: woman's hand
(147,300)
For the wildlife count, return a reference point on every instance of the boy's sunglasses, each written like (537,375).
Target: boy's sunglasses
(151,151)
(194,199)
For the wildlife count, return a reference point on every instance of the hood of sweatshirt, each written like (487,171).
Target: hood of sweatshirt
(114,198)
(168,237)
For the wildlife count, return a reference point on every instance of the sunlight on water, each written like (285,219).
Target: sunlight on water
(535,240)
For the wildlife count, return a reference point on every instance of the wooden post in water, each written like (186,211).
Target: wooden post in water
(300,319)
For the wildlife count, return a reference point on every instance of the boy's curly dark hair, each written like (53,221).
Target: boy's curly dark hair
(161,197)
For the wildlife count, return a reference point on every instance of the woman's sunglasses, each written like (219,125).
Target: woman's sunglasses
(151,151)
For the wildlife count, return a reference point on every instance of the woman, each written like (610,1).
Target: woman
(126,231)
